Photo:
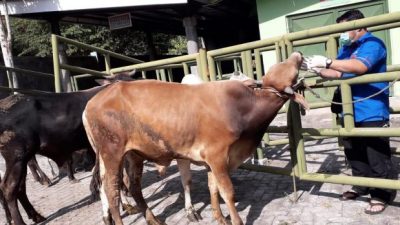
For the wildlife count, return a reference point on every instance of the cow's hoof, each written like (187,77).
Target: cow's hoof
(107,220)
(192,215)
(38,218)
(223,221)
(155,222)
(131,210)
(74,181)
(46,183)
(94,197)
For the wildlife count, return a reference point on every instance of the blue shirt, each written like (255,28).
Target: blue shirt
(371,51)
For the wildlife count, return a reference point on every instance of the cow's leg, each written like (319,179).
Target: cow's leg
(32,213)
(5,207)
(186,178)
(219,169)
(135,170)
(126,206)
(38,173)
(215,207)
(10,186)
(109,189)
(70,171)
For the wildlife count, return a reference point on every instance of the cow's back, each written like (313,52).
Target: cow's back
(47,123)
(170,118)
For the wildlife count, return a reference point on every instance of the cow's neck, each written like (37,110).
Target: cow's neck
(267,106)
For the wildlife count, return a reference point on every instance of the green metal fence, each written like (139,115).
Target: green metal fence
(248,58)
(56,40)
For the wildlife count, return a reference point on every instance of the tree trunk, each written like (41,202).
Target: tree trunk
(6,48)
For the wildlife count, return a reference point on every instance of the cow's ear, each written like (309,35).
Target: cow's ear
(102,81)
(301,100)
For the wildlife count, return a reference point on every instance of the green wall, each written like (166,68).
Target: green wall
(272,17)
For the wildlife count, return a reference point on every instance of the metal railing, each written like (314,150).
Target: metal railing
(11,87)
(56,40)
(248,58)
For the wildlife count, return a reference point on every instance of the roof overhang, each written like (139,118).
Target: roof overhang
(42,6)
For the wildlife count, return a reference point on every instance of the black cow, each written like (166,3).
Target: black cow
(49,124)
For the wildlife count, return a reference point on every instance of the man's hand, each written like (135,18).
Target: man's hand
(311,62)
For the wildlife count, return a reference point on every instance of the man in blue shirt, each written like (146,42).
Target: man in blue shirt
(362,53)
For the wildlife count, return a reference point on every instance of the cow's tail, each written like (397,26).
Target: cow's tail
(95,182)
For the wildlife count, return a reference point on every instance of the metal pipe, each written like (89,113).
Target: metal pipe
(341,27)
(348,112)
(355,132)
(266,169)
(211,67)
(56,63)
(82,70)
(100,50)
(352,180)
(35,73)
(162,74)
(249,64)
(244,46)
(107,62)
(185,68)
(257,58)
(203,64)
(368,78)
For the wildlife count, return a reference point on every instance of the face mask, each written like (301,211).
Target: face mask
(344,39)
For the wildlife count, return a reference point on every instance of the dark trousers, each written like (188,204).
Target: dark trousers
(371,157)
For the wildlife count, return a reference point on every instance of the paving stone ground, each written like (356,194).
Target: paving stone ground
(261,198)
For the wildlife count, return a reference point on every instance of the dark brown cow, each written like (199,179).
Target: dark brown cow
(216,124)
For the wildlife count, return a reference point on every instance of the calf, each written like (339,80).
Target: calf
(49,124)
(215,124)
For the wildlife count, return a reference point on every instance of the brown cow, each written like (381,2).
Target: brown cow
(215,124)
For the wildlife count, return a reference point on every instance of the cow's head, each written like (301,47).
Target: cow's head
(123,76)
(283,77)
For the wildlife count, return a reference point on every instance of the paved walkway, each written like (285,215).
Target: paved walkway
(261,199)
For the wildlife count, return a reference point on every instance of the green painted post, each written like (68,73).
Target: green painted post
(331,47)
(107,63)
(244,61)
(185,68)
(283,50)
(163,76)
(257,58)
(144,74)
(56,63)
(348,113)
(211,67)
(249,64)
(292,142)
(203,64)
(219,69)
(158,74)
(170,75)
(278,52)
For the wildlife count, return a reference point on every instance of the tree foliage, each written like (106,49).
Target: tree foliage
(32,38)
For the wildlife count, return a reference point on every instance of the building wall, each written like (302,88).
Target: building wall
(272,22)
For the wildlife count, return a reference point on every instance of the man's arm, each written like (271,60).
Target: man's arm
(349,66)
(336,67)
